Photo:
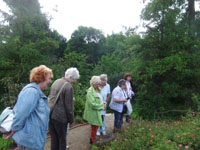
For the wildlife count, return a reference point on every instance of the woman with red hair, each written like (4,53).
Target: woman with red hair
(31,112)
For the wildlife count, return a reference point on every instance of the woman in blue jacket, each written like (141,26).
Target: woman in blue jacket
(30,124)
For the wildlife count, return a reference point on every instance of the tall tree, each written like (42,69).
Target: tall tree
(191,9)
(89,41)
(25,40)
(167,72)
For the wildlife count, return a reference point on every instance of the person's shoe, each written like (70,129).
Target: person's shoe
(98,133)
(90,141)
(127,119)
(67,147)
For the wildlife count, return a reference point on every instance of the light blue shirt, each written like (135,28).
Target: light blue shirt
(105,91)
(117,93)
(31,117)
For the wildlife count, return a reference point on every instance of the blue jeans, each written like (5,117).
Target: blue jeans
(102,129)
(67,130)
(118,119)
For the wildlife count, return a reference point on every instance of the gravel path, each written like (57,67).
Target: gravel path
(78,138)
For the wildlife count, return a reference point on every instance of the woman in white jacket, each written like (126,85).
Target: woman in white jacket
(130,94)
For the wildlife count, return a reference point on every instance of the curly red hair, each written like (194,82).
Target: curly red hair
(39,74)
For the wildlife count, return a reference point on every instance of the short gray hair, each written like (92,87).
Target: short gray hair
(95,80)
(104,77)
(72,73)
(121,82)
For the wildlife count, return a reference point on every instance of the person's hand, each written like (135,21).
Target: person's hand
(74,99)
(105,105)
(125,100)
(8,135)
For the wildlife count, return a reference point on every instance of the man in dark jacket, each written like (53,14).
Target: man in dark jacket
(62,112)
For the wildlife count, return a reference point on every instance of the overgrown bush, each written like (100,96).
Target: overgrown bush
(80,98)
(12,90)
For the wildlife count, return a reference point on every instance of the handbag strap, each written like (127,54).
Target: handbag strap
(17,98)
(58,95)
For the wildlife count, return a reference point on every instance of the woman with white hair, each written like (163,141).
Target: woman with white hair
(93,106)
(105,92)
(62,113)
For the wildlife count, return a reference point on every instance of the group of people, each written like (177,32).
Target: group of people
(34,112)
(97,100)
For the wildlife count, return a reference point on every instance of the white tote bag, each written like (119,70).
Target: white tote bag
(6,120)
(129,107)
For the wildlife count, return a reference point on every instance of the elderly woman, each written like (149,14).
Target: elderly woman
(118,100)
(63,111)
(30,123)
(94,104)
(130,94)
(105,92)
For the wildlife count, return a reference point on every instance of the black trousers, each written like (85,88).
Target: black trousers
(58,135)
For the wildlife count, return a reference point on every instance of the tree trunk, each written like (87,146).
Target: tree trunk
(191,18)
(191,10)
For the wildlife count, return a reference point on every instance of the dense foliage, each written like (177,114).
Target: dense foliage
(164,61)
(167,64)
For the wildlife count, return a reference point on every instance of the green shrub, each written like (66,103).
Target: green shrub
(79,106)
(80,98)
(5,144)
(78,119)
(11,92)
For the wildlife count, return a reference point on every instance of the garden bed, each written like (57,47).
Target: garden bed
(159,135)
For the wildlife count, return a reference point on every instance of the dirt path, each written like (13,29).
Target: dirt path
(78,138)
